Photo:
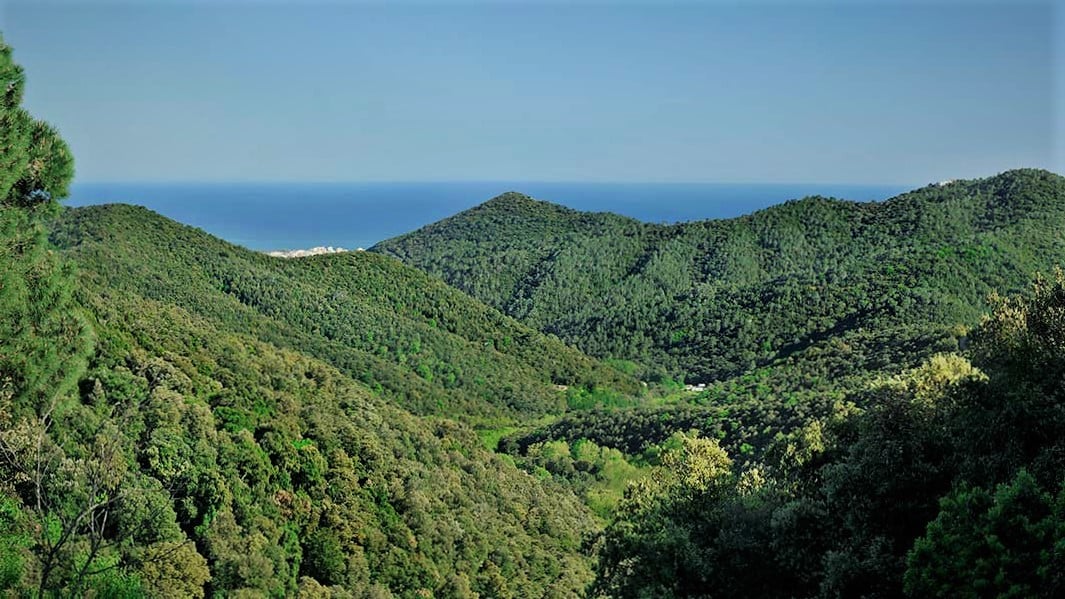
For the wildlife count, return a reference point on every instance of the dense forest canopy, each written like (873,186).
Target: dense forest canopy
(950,483)
(714,299)
(883,412)
(418,341)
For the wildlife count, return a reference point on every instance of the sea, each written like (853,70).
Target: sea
(287,216)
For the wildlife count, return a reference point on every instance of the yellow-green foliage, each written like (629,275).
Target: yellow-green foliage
(696,467)
(934,378)
(189,418)
(599,475)
(174,570)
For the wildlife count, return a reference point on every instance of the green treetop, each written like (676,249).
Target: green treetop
(42,339)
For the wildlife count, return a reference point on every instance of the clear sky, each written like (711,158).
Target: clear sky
(863,92)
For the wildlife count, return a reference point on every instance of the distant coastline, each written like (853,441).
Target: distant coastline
(315,251)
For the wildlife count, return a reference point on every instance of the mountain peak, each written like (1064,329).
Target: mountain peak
(510,196)
(511,204)
(512,200)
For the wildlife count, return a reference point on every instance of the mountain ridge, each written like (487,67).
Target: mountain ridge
(360,311)
(511,198)
(550,268)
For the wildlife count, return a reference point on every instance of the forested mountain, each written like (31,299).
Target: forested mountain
(417,341)
(880,284)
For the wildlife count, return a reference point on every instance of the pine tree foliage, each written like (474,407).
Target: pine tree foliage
(44,338)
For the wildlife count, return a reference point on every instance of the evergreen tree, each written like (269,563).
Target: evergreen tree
(43,339)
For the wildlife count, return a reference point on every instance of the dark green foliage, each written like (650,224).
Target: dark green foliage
(14,543)
(280,468)
(60,467)
(35,163)
(662,543)
(736,419)
(948,484)
(746,414)
(323,557)
(1010,543)
(712,300)
(43,337)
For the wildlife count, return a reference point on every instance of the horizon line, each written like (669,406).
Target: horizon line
(470,182)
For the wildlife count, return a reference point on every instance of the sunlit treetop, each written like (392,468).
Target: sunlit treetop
(36,165)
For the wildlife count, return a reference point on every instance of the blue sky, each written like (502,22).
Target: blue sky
(863,92)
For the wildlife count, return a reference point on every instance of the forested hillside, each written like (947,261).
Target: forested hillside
(852,287)
(950,483)
(417,341)
(232,465)
(183,418)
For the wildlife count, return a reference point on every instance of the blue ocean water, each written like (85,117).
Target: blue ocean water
(353,215)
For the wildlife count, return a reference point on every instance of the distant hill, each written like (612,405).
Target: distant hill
(837,286)
(416,340)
